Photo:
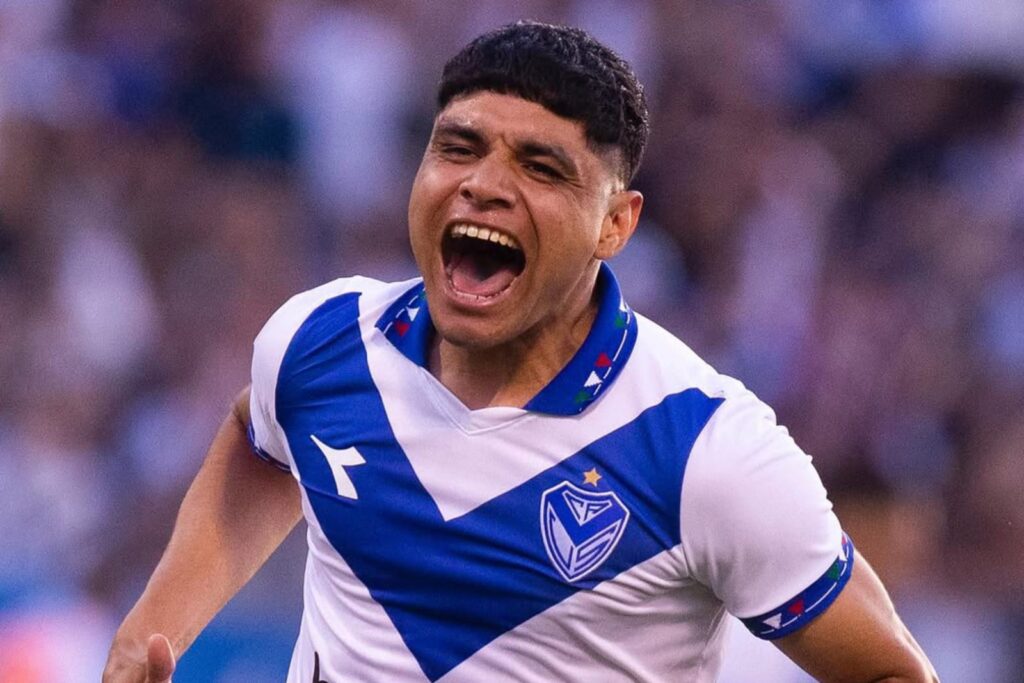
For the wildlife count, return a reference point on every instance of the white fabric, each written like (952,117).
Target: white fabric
(755,522)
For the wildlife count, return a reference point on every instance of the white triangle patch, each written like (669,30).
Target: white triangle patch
(774,621)
(592,380)
(413,312)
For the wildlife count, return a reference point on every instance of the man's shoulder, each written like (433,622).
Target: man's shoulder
(669,358)
(739,414)
(309,300)
(370,297)
(290,317)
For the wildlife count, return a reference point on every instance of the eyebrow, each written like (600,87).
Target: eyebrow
(459,130)
(533,148)
(526,148)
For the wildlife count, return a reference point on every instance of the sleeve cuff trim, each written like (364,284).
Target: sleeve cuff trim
(262,454)
(805,607)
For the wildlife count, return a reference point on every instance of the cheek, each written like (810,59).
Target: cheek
(419,195)
(573,237)
(426,199)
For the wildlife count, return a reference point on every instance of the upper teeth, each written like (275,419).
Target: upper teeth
(485,234)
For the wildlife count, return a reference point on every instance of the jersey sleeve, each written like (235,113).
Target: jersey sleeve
(757,527)
(265,434)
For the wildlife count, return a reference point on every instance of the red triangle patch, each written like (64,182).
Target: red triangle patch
(603,361)
(797,607)
(402,327)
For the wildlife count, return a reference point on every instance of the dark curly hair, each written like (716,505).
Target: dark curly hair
(564,69)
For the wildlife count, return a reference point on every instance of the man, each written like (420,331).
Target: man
(507,473)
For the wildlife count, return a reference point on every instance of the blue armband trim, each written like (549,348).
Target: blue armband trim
(262,454)
(813,601)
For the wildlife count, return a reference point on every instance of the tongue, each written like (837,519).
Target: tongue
(477,274)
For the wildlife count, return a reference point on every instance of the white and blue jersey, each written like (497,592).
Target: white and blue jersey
(601,532)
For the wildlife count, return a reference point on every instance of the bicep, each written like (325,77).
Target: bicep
(242,490)
(236,512)
(858,638)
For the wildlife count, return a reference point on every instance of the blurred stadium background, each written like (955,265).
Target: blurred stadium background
(835,214)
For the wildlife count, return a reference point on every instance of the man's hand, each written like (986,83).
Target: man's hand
(159,660)
(126,664)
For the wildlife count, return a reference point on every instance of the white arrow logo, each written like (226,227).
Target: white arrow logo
(339,459)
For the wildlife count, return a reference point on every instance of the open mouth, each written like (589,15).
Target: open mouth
(481,262)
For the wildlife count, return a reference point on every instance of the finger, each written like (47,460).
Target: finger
(159,660)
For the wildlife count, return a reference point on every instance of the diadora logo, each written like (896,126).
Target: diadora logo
(580,528)
(338,459)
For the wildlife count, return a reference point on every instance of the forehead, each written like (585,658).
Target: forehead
(514,120)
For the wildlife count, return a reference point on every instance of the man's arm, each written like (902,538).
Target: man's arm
(859,638)
(235,514)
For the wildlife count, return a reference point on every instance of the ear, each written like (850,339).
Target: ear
(619,223)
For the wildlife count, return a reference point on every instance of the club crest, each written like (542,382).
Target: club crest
(580,528)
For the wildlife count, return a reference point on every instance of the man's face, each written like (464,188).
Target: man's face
(509,214)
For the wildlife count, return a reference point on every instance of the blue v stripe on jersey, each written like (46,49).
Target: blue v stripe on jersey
(452,587)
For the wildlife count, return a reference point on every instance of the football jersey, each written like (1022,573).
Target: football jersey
(600,532)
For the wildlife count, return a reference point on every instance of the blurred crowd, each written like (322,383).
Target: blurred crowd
(834,215)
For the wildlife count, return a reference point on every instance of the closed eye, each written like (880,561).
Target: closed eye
(548,172)
(456,151)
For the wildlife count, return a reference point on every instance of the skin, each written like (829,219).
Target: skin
(503,162)
(859,638)
(235,514)
(508,164)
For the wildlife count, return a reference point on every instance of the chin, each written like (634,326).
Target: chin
(474,335)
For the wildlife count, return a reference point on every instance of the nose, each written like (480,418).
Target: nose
(489,185)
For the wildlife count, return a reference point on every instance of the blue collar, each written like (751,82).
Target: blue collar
(406,324)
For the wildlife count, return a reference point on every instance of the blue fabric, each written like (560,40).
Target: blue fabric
(452,587)
(592,369)
(810,603)
(410,335)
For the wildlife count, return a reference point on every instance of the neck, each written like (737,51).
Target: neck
(514,372)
